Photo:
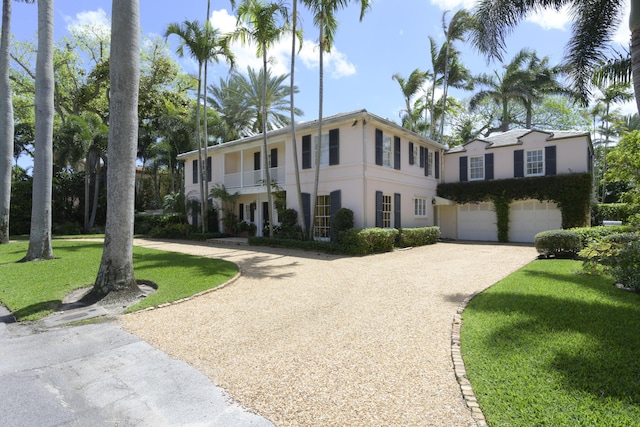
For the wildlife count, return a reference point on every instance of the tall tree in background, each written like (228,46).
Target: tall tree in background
(594,26)
(324,17)
(294,145)
(116,268)
(264,24)
(40,235)
(6,123)
(410,87)
(193,37)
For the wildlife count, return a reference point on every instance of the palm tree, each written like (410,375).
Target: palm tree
(204,44)
(262,26)
(410,87)
(116,268)
(40,235)
(294,145)
(594,26)
(511,85)
(459,25)
(324,17)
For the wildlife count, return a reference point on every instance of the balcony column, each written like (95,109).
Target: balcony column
(241,168)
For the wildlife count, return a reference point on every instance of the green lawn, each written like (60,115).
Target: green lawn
(548,346)
(34,289)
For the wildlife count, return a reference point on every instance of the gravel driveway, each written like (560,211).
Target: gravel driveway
(307,339)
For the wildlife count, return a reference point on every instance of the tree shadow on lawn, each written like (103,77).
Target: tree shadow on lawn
(39,307)
(608,366)
(255,267)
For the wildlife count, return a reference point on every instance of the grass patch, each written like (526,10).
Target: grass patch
(34,289)
(548,346)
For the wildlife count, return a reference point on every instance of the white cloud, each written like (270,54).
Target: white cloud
(453,4)
(96,20)
(336,63)
(551,19)
(623,35)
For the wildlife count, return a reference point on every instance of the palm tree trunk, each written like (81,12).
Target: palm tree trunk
(264,141)
(316,180)
(96,194)
(116,268)
(204,197)
(445,87)
(294,147)
(634,25)
(6,126)
(40,236)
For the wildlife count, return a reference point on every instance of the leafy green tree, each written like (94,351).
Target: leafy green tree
(324,17)
(116,267)
(264,24)
(594,26)
(624,166)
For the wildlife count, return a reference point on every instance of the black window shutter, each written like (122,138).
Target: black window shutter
(396,152)
(518,163)
(437,164)
(241,212)
(195,171)
(256,161)
(335,199)
(334,147)
(488,166)
(378,208)
(378,147)
(209,169)
(397,218)
(306,152)
(306,207)
(550,160)
(274,158)
(426,162)
(463,169)
(422,149)
(411,159)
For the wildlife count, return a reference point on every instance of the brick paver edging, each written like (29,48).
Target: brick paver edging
(460,371)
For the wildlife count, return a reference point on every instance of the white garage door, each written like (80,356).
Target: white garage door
(477,222)
(529,217)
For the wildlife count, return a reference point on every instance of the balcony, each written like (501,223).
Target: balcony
(253,179)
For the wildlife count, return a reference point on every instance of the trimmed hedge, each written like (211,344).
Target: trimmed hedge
(558,243)
(418,236)
(595,234)
(612,212)
(368,241)
(572,193)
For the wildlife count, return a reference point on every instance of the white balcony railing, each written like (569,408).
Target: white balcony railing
(253,178)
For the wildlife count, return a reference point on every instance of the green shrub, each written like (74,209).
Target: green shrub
(342,222)
(418,236)
(611,212)
(601,256)
(307,245)
(595,234)
(558,243)
(368,241)
(66,229)
(171,231)
(627,266)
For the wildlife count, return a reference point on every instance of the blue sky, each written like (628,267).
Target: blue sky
(392,38)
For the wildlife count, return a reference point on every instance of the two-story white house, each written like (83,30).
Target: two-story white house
(385,174)
(511,155)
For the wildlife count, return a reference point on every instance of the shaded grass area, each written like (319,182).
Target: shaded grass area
(548,346)
(34,289)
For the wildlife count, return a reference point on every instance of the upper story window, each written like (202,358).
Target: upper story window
(324,149)
(387,151)
(476,168)
(430,163)
(535,163)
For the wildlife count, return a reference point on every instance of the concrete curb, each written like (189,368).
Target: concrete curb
(460,370)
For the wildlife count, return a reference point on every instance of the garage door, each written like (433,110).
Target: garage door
(529,217)
(477,222)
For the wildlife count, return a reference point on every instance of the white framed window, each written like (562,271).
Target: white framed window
(387,210)
(420,207)
(322,225)
(324,150)
(416,155)
(387,151)
(430,163)
(535,163)
(476,168)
